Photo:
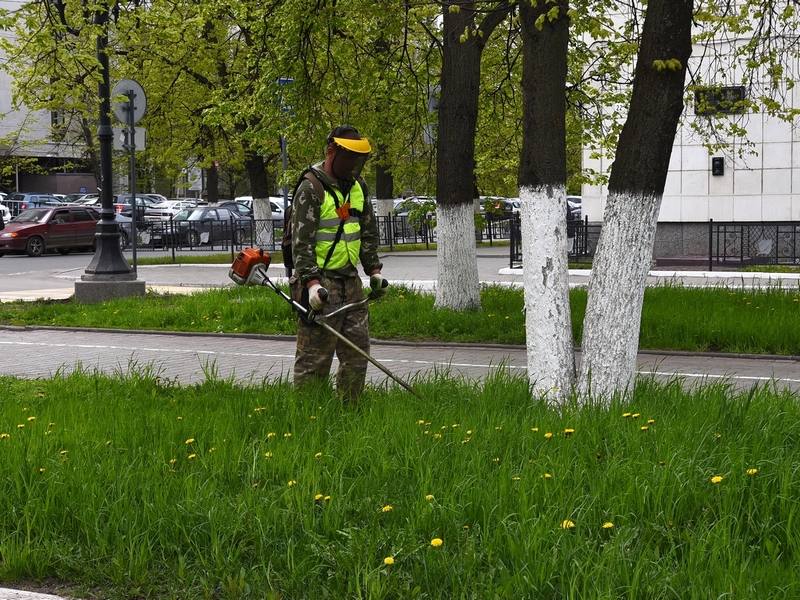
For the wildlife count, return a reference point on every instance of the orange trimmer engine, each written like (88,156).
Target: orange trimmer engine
(245,261)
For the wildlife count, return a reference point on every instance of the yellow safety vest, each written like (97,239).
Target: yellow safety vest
(348,248)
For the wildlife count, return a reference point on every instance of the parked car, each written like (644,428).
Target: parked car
(125,226)
(36,230)
(165,211)
(5,212)
(212,225)
(122,205)
(157,198)
(245,209)
(19,201)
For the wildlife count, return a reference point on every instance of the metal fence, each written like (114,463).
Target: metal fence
(742,244)
(396,230)
(584,236)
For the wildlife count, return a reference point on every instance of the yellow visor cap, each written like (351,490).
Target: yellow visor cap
(358,146)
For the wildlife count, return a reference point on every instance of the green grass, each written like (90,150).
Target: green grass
(765,321)
(135,487)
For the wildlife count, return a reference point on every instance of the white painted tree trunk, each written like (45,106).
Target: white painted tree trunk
(616,292)
(458,285)
(551,356)
(262,213)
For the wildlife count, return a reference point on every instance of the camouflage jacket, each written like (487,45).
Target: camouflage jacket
(305,222)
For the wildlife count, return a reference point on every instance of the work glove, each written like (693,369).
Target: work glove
(317,297)
(378,285)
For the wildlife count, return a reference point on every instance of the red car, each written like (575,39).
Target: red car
(37,230)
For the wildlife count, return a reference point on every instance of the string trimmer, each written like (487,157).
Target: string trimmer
(250,268)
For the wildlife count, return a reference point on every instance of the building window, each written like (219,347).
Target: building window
(719,100)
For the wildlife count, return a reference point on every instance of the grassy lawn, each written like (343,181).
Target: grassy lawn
(720,319)
(134,487)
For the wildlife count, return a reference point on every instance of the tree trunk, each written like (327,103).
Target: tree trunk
(636,186)
(543,197)
(458,285)
(259,188)
(212,184)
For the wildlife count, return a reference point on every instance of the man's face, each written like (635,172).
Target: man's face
(345,164)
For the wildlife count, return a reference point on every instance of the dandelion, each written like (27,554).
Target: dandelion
(318,455)
(568,432)
(444,427)
(190,441)
(318,497)
(313,417)
(429,497)
(50,424)
(749,471)
(287,435)
(291,482)
(534,429)
(108,442)
(515,478)
(255,485)
(608,525)
(387,508)
(63,452)
(31,418)
(567,524)
(172,461)
(271,434)
(547,476)
(644,428)
(650,421)
(716,479)
(496,459)
(4,436)
(548,435)
(626,415)
(268,454)
(191,456)
(437,436)
(454,425)
(465,441)
(635,416)
(327,498)
(41,470)
(466,528)
(212,449)
(426,432)
(469,431)
(21,425)
(436,542)
(388,560)
(421,422)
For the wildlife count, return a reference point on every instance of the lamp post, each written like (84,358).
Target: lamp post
(108,274)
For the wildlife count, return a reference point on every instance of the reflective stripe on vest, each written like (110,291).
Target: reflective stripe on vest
(349,247)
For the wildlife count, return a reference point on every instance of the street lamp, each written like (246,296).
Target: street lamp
(108,274)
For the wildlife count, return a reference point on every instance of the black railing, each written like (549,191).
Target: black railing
(583,235)
(742,244)
(396,230)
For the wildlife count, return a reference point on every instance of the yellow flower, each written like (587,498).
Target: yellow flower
(650,421)
(388,560)
(191,456)
(318,455)
(327,498)
(41,470)
(426,432)
(469,431)
(635,415)
(291,482)
(547,476)
(568,432)
(429,497)
(271,434)
(4,436)
(436,542)
(387,508)
(172,461)
(437,436)
(212,449)
(190,441)
(21,425)
(318,497)
(716,479)
(31,418)
(608,525)
(548,435)
(268,454)
(515,479)
(626,415)
(180,418)
(749,471)
(287,435)
(466,528)
(644,428)
(421,422)
(567,524)
(534,429)
(313,417)
(63,452)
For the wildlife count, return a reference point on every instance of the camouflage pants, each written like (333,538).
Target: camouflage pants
(316,346)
